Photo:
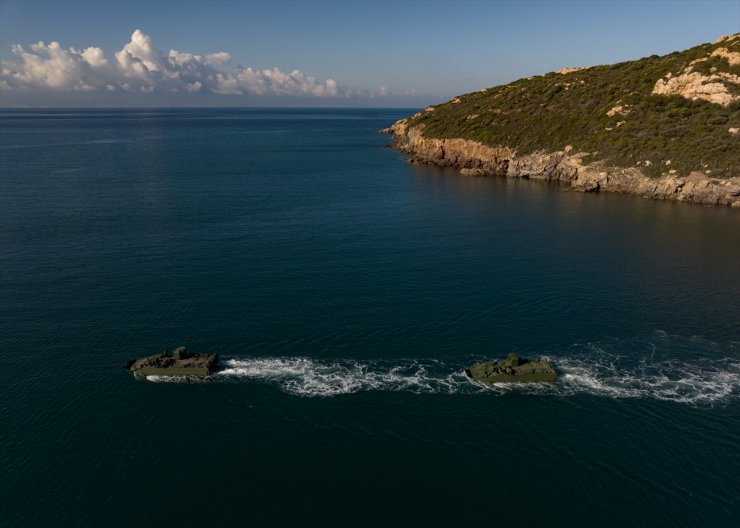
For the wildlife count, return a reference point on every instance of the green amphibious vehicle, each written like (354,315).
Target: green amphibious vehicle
(179,362)
(512,369)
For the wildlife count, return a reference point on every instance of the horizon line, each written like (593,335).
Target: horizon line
(210,107)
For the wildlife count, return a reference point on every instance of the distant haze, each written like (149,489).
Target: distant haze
(321,53)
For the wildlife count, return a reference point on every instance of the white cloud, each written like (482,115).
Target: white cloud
(218,58)
(193,87)
(95,57)
(141,67)
(44,65)
(140,54)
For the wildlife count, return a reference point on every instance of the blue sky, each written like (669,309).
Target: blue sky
(373,53)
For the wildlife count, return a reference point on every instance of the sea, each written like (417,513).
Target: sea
(345,290)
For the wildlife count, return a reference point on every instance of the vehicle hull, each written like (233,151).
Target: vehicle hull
(173,371)
(512,370)
(177,363)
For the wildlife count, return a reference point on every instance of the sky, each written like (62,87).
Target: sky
(378,53)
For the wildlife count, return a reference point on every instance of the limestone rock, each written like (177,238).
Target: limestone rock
(475,159)
(694,85)
(566,71)
(732,57)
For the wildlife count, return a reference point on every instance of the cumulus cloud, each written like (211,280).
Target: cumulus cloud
(141,67)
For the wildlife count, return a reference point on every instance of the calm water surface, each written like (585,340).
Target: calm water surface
(345,290)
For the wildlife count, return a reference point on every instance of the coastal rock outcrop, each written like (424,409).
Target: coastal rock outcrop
(471,157)
(566,167)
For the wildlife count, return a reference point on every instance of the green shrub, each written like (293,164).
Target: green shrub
(551,111)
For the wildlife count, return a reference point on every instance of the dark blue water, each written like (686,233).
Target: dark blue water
(345,291)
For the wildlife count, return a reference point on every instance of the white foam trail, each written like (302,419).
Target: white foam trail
(175,379)
(597,369)
(695,382)
(311,377)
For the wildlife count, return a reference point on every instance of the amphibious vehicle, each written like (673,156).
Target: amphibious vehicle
(179,362)
(512,369)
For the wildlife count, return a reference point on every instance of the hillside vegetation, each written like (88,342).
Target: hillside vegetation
(672,114)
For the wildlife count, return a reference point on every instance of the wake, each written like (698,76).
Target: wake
(598,369)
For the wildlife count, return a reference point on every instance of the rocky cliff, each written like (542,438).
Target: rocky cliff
(618,136)
(475,159)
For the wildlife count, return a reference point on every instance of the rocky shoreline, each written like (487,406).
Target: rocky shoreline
(566,166)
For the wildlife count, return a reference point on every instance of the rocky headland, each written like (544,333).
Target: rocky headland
(660,127)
